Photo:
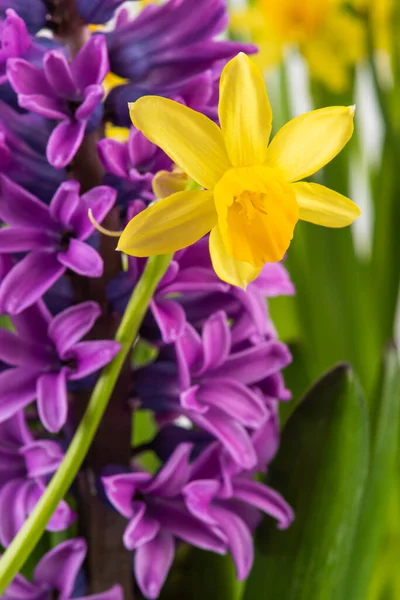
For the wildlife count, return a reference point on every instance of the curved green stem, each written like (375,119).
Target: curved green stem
(27,538)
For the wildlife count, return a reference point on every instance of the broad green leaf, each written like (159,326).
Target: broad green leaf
(321,470)
(380,483)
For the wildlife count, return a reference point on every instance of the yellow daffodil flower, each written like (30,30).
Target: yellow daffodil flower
(329,37)
(252,198)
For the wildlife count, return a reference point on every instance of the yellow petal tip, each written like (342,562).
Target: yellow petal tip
(352,109)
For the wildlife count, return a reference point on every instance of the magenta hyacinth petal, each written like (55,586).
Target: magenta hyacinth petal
(121,489)
(21,589)
(273,281)
(91,356)
(152,563)
(235,399)
(114,156)
(264,498)
(21,208)
(82,259)
(14,432)
(17,390)
(22,239)
(33,322)
(59,568)
(91,99)
(64,142)
(100,200)
(13,504)
(29,280)
(239,539)
(91,65)
(216,341)
(58,74)
(172,477)
(27,79)
(52,400)
(198,497)
(65,201)
(71,325)
(61,518)
(42,457)
(230,433)
(255,364)
(141,528)
(47,107)
(170,318)
(19,352)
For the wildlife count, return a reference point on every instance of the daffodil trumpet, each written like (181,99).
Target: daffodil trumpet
(252,196)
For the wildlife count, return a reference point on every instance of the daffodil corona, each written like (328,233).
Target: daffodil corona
(253,197)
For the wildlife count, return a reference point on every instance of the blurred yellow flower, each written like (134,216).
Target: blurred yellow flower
(252,198)
(330,38)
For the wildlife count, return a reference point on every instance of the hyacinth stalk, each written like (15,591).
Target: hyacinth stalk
(29,535)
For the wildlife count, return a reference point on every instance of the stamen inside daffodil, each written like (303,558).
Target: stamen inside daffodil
(257,213)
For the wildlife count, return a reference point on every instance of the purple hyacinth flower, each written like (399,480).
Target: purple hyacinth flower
(32,12)
(55,575)
(189,274)
(232,504)
(140,51)
(97,11)
(63,91)
(216,386)
(157,518)
(15,42)
(135,161)
(25,464)
(52,235)
(45,353)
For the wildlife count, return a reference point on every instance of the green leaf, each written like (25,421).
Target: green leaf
(321,470)
(380,483)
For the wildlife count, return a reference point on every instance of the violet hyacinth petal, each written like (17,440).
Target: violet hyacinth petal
(235,399)
(33,322)
(14,431)
(13,504)
(141,528)
(91,99)
(42,457)
(264,498)
(198,496)
(172,477)
(65,201)
(26,78)
(239,539)
(82,259)
(231,435)
(100,200)
(114,593)
(19,352)
(59,568)
(216,341)
(120,490)
(61,518)
(52,400)
(114,156)
(29,280)
(91,65)
(152,563)
(71,325)
(47,107)
(21,589)
(17,390)
(273,281)
(92,356)
(22,239)
(20,208)
(64,142)
(58,74)
(170,317)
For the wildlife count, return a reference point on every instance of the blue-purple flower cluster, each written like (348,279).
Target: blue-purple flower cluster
(212,380)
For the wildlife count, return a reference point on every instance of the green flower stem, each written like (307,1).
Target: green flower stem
(27,538)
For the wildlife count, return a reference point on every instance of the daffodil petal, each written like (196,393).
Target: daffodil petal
(244,112)
(166,183)
(191,140)
(322,206)
(309,142)
(227,268)
(169,224)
